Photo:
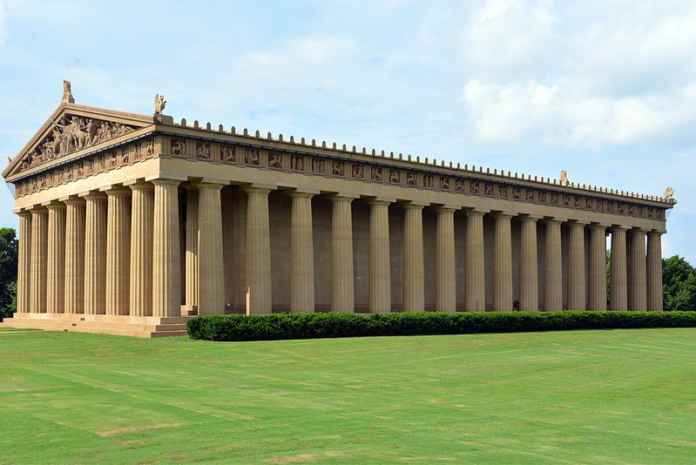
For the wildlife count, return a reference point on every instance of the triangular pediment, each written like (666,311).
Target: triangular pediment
(71,130)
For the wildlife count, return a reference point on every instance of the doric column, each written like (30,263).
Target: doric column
(95,253)
(142,224)
(258,262)
(211,265)
(654,270)
(446,292)
(619,274)
(55,263)
(576,266)
(379,257)
(192,239)
(74,255)
(301,253)
(553,271)
(637,298)
(39,251)
(502,263)
(24,263)
(166,250)
(414,278)
(475,275)
(529,264)
(118,251)
(598,267)
(342,280)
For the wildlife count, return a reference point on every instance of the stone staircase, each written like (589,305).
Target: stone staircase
(102,324)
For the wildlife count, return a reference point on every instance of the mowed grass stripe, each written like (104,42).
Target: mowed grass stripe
(609,397)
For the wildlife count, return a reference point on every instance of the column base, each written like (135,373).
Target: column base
(120,325)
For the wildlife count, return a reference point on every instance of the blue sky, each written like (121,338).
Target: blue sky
(603,89)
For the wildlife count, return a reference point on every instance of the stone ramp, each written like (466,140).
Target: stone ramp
(100,324)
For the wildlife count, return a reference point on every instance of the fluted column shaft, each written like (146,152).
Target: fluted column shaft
(379,258)
(118,251)
(414,277)
(529,265)
(74,255)
(654,270)
(342,281)
(619,274)
(24,263)
(502,263)
(598,268)
(553,271)
(258,261)
(166,255)
(142,224)
(95,253)
(474,277)
(446,292)
(302,253)
(55,263)
(211,265)
(637,298)
(576,267)
(192,241)
(39,251)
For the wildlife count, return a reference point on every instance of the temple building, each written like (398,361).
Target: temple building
(129,223)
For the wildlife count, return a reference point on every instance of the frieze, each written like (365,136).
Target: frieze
(330,166)
(71,134)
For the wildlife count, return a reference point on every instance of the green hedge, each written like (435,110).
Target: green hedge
(320,325)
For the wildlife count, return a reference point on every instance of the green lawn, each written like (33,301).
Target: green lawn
(592,397)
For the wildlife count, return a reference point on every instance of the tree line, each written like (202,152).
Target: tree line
(679,278)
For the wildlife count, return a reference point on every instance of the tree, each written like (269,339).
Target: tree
(679,279)
(8,271)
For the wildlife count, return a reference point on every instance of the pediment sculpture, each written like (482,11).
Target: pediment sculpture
(73,133)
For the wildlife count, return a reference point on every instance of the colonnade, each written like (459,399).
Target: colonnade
(117,252)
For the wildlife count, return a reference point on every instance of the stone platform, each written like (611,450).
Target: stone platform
(102,324)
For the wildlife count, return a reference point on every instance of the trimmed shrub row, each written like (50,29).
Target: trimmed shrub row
(322,325)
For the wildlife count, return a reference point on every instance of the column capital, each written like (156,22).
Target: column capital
(343,197)
(580,222)
(447,208)
(165,182)
(259,188)
(655,232)
(210,185)
(599,225)
(303,193)
(555,219)
(140,186)
(414,205)
(380,201)
(476,211)
(618,227)
(72,200)
(503,214)
(116,191)
(526,217)
(639,229)
(93,195)
(53,204)
(22,213)
(39,208)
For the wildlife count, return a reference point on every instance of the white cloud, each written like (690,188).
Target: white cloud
(505,33)
(560,116)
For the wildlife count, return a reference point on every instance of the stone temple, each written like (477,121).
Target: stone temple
(128,224)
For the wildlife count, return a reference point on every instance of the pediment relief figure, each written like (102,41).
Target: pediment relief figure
(70,134)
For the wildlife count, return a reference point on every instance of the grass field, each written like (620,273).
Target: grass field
(592,397)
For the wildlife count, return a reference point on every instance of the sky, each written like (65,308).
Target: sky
(605,90)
